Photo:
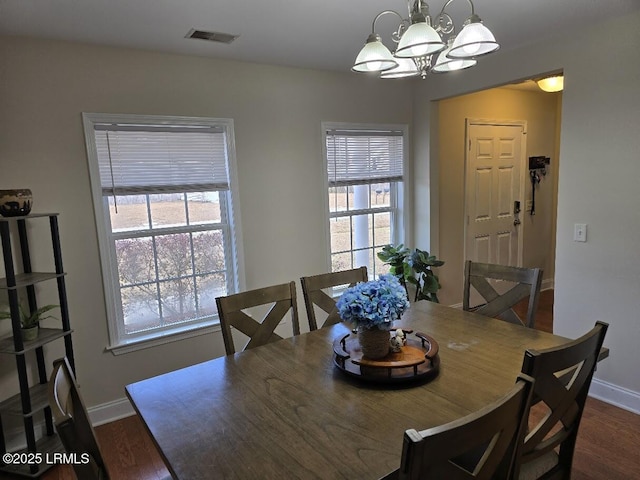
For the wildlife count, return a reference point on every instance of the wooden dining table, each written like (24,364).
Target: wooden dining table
(286,411)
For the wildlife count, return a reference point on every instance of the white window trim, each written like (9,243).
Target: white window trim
(118,345)
(401,224)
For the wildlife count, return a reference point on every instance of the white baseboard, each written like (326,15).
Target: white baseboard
(615,395)
(110,411)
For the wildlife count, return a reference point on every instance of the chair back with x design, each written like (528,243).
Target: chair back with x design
(528,282)
(483,445)
(313,289)
(230,312)
(562,378)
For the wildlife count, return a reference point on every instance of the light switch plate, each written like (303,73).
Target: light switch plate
(580,232)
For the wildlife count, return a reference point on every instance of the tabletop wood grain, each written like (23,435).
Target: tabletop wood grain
(284,411)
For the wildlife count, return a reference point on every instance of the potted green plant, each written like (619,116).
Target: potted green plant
(30,321)
(413,267)
(426,282)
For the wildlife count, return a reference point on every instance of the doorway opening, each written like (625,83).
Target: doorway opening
(522,103)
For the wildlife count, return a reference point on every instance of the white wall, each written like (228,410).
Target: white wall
(599,170)
(277,114)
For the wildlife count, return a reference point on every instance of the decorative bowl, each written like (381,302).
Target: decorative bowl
(15,203)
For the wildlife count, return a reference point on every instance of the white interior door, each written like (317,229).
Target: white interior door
(494,166)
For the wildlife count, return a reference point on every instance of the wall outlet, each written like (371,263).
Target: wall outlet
(580,232)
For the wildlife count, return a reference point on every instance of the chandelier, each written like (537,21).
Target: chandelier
(425,44)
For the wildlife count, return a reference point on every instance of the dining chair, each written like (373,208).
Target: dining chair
(562,378)
(527,280)
(282,298)
(313,290)
(72,423)
(482,445)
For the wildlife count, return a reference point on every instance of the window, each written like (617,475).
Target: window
(163,201)
(365,172)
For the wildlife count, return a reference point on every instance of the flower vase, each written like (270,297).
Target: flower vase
(15,203)
(374,343)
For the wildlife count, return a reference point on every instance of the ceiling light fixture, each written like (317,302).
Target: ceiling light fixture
(554,83)
(420,39)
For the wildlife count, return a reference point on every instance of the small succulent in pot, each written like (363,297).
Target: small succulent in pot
(30,319)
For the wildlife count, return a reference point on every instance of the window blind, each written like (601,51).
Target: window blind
(364,156)
(136,159)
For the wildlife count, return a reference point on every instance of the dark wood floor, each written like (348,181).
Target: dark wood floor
(544,314)
(607,446)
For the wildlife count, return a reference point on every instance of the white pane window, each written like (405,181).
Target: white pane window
(163,190)
(365,174)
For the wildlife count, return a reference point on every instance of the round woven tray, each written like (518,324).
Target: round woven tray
(417,360)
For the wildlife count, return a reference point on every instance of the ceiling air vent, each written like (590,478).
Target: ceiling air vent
(211,36)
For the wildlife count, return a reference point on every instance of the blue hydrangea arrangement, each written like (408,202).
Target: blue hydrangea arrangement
(374,304)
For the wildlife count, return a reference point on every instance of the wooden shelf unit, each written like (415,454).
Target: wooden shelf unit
(32,397)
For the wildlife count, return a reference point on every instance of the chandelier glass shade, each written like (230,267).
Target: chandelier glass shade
(374,57)
(406,68)
(445,64)
(473,41)
(425,44)
(420,39)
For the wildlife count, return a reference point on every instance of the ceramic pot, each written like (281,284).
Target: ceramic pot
(30,333)
(374,343)
(15,203)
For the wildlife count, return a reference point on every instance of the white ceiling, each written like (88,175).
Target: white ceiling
(322,34)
